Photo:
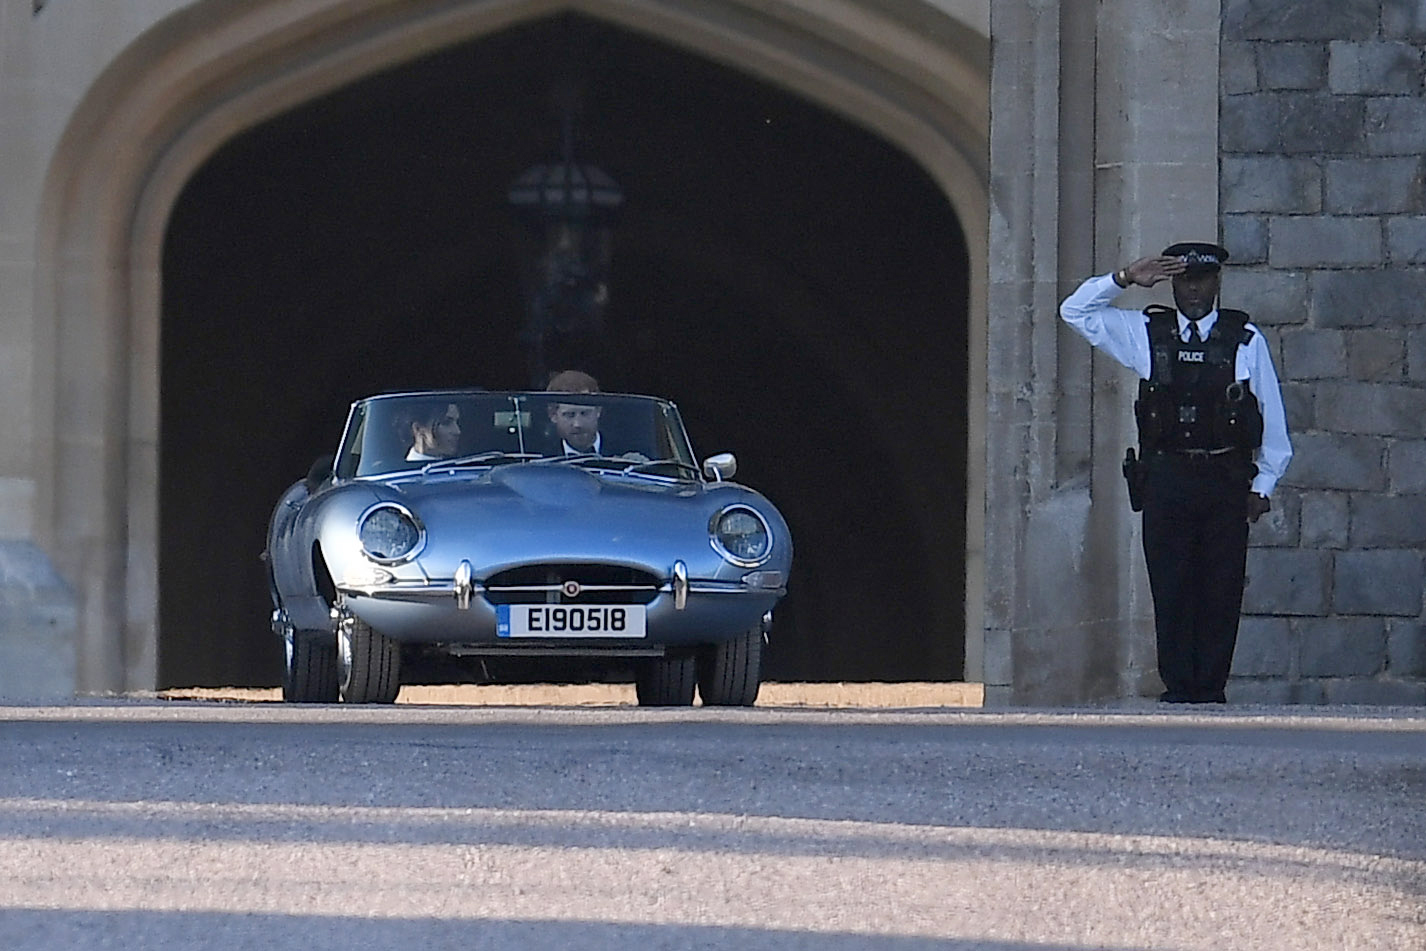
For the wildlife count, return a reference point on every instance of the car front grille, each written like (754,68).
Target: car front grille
(551,584)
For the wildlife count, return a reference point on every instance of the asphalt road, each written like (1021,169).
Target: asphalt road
(153,824)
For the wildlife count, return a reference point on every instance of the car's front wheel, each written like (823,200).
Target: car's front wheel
(730,673)
(666,681)
(370,664)
(309,674)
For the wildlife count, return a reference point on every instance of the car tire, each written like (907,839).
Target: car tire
(370,664)
(310,670)
(730,673)
(666,681)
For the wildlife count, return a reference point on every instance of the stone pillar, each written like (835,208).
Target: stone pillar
(1021,330)
(1156,183)
(38,617)
(37,623)
(1118,106)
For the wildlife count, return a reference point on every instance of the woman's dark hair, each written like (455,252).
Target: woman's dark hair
(423,413)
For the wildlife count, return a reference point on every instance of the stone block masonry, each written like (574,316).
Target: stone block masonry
(1379,67)
(1323,185)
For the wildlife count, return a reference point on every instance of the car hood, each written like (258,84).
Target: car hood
(519,514)
(533,487)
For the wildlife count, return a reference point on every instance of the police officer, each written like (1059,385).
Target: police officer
(1213,443)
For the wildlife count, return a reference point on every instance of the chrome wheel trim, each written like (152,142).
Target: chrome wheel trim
(344,657)
(283,628)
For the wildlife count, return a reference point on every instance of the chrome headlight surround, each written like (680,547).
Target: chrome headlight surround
(403,532)
(731,540)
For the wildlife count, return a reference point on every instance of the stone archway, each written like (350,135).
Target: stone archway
(202,76)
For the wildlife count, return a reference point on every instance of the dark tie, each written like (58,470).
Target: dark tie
(1193,337)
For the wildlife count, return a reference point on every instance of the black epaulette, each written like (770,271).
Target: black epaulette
(1163,342)
(1238,322)
(1229,333)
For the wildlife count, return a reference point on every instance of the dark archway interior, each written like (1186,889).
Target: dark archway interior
(797,285)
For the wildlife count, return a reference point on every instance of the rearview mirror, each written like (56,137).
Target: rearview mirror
(720,467)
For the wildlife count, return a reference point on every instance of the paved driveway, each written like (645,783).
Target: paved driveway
(152,824)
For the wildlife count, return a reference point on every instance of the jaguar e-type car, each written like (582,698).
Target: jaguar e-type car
(459,526)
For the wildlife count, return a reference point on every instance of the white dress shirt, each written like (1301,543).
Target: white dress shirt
(571,451)
(1124,336)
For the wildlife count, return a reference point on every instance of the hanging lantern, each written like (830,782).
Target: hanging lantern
(567,211)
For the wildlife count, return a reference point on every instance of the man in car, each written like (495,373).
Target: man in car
(576,425)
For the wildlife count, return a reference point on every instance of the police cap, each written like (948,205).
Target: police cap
(1198,255)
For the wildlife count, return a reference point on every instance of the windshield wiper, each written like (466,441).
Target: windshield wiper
(480,458)
(643,468)
(637,465)
(591,460)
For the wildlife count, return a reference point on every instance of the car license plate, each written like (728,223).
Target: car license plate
(569,620)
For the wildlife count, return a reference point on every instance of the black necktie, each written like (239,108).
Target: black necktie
(1193,337)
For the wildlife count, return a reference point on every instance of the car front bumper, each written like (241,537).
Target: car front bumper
(459,610)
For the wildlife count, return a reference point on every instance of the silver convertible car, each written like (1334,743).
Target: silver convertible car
(456,527)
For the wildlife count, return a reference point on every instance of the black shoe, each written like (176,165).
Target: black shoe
(1173,696)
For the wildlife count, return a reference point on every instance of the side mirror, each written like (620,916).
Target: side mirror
(720,467)
(320,472)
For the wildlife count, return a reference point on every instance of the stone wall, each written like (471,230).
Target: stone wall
(1323,199)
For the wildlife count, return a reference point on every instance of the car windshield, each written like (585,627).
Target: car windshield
(450,429)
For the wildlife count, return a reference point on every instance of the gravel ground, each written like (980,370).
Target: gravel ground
(149,823)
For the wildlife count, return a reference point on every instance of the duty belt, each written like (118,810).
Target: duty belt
(1201,453)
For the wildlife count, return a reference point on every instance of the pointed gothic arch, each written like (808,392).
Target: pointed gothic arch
(917,78)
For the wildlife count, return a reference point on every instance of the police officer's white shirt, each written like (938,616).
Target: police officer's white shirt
(1122,335)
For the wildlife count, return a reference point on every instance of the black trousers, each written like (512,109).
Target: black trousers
(1196,546)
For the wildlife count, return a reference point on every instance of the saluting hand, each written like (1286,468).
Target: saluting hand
(1146,272)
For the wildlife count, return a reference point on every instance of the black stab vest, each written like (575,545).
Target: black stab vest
(1192,398)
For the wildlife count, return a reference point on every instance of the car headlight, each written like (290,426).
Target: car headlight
(741,535)
(389,533)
